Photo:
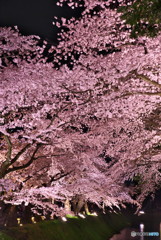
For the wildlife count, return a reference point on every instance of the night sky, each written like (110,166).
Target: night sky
(33,16)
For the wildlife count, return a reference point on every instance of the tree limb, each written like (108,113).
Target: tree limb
(9,152)
(20,153)
(147,79)
(59,176)
(48,156)
(141,93)
(5,165)
(28,163)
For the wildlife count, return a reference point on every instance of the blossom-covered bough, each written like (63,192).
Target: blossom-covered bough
(78,135)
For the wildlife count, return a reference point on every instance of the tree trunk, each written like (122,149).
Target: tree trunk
(78,203)
(3,169)
(86,208)
(8,215)
(67,206)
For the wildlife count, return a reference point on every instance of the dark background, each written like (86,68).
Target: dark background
(34,16)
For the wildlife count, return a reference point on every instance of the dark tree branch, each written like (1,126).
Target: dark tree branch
(59,176)
(5,165)
(20,153)
(9,152)
(48,156)
(31,176)
(28,163)
(140,93)
(147,79)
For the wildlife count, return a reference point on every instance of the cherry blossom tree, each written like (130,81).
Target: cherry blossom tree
(124,67)
(79,134)
(15,48)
